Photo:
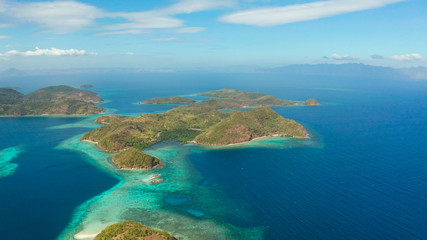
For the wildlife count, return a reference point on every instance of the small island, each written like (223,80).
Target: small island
(169,100)
(312,102)
(54,100)
(198,123)
(132,231)
(87,86)
(134,159)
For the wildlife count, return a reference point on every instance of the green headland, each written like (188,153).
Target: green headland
(54,100)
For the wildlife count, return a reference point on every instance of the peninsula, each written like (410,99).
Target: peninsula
(169,100)
(198,123)
(54,100)
(132,230)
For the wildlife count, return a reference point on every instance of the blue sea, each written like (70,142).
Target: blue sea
(361,175)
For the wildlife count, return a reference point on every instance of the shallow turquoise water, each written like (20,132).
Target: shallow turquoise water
(6,156)
(179,205)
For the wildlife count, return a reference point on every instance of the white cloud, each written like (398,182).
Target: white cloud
(272,16)
(403,57)
(191,6)
(407,57)
(164,17)
(189,30)
(46,52)
(3,36)
(166,39)
(68,16)
(128,31)
(338,57)
(146,20)
(2,6)
(56,16)
(130,53)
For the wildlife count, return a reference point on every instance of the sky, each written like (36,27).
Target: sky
(169,35)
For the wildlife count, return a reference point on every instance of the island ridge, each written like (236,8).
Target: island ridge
(169,100)
(54,100)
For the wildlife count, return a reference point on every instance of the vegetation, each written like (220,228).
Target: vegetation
(10,96)
(241,127)
(189,123)
(169,100)
(61,93)
(221,103)
(200,123)
(107,119)
(182,123)
(133,158)
(233,94)
(54,100)
(132,231)
(231,99)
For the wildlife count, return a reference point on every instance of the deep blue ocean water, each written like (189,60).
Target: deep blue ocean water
(365,178)
(38,199)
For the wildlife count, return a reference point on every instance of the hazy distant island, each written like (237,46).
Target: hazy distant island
(133,231)
(54,100)
(169,100)
(87,86)
(199,123)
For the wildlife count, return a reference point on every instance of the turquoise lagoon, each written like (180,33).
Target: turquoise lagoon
(179,205)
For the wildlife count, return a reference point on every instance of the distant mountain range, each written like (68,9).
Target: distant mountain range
(339,70)
(353,70)
(12,72)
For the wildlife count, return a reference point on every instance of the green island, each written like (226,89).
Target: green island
(169,100)
(197,123)
(230,99)
(54,100)
(129,230)
(133,158)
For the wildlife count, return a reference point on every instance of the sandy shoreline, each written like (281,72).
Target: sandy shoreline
(85,235)
(241,143)
(219,145)
(89,141)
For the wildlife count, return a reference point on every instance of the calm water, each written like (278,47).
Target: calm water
(363,175)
